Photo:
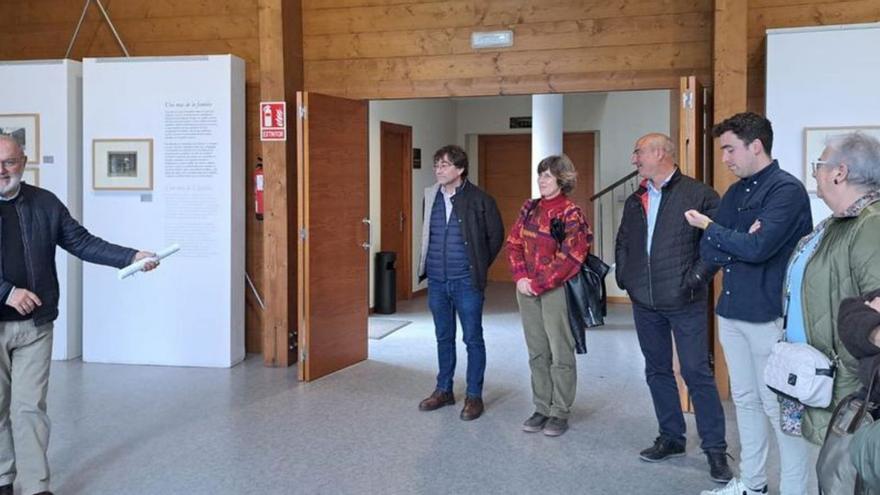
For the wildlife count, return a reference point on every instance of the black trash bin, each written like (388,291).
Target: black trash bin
(385,298)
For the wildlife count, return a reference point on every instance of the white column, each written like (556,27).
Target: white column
(546,132)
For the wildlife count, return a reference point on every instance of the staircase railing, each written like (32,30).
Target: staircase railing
(609,209)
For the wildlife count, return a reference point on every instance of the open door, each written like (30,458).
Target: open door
(333,233)
(694,161)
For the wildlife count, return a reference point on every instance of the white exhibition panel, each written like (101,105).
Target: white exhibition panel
(820,77)
(186,115)
(51,89)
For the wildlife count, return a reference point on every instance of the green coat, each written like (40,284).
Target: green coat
(846,263)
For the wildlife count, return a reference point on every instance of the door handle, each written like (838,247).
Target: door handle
(402,220)
(366,245)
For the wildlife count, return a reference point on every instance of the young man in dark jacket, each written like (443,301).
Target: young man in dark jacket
(461,236)
(32,222)
(859,328)
(658,264)
(752,235)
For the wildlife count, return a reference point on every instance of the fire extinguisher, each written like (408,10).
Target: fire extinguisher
(258,188)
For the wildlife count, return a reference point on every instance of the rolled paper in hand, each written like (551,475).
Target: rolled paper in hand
(139,265)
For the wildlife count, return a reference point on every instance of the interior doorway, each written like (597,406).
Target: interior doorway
(395,144)
(506,174)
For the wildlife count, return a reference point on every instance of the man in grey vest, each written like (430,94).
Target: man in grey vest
(461,236)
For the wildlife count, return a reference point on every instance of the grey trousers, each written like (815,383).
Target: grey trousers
(551,351)
(747,347)
(25,355)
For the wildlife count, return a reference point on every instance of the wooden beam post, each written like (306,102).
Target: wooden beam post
(281,76)
(729,57)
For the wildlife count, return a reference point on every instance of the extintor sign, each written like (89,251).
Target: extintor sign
(273,121)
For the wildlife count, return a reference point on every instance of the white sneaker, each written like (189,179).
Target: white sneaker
(735,487)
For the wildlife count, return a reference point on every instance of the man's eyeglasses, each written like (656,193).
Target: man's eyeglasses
(13,162)
(442,164)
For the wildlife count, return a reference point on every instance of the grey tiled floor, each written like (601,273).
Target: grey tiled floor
(250,429)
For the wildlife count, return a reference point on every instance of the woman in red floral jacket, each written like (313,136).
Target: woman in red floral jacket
(541,260)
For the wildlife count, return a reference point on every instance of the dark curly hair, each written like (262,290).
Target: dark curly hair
(748,126)
(456,155)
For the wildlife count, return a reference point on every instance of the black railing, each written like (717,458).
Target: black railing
(613,186)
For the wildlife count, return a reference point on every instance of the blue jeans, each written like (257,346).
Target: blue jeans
(445,300)
(655,329)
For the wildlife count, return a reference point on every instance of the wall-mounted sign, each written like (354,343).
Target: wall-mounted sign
(417,158)
(520,122)
(273,121)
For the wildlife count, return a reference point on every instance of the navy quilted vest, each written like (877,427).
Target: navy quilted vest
(447,256)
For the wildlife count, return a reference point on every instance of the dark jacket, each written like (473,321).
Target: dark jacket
(46,223)
(855,323)
(480,223)
(754,264)
(673,275)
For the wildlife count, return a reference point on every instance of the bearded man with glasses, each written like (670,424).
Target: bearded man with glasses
(32,222)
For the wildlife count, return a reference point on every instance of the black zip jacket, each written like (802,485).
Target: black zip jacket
(673,275)
(46,223)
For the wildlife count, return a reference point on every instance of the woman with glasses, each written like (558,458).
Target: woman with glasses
(839,259)
(546,246)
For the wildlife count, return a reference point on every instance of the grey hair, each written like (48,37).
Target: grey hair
(662,141)
(11,140)
(861,154)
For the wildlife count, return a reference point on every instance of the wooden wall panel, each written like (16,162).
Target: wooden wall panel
(41,29)
(409,48)
(773,14)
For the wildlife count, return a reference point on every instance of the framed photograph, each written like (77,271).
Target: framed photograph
(814,145)
(31,176)
(24,128)
(122,164)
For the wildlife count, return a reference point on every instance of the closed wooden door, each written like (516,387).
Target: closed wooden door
(580,147)
(333,235)
(505,173)
(395,144)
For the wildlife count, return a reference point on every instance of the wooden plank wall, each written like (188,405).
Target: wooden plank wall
(42,29)
(770,14)
(410,48)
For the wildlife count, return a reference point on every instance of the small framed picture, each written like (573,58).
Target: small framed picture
(814,145)
(122,164)
(24,128)
(31,176)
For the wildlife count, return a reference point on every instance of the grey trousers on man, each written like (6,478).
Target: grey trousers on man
(25,355)
(551,351)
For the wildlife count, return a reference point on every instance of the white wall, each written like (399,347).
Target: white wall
(433,126)
(820,77)
(190,311)
(53,89)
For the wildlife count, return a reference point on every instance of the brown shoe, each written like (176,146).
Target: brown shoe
(437,400)
(473,408)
